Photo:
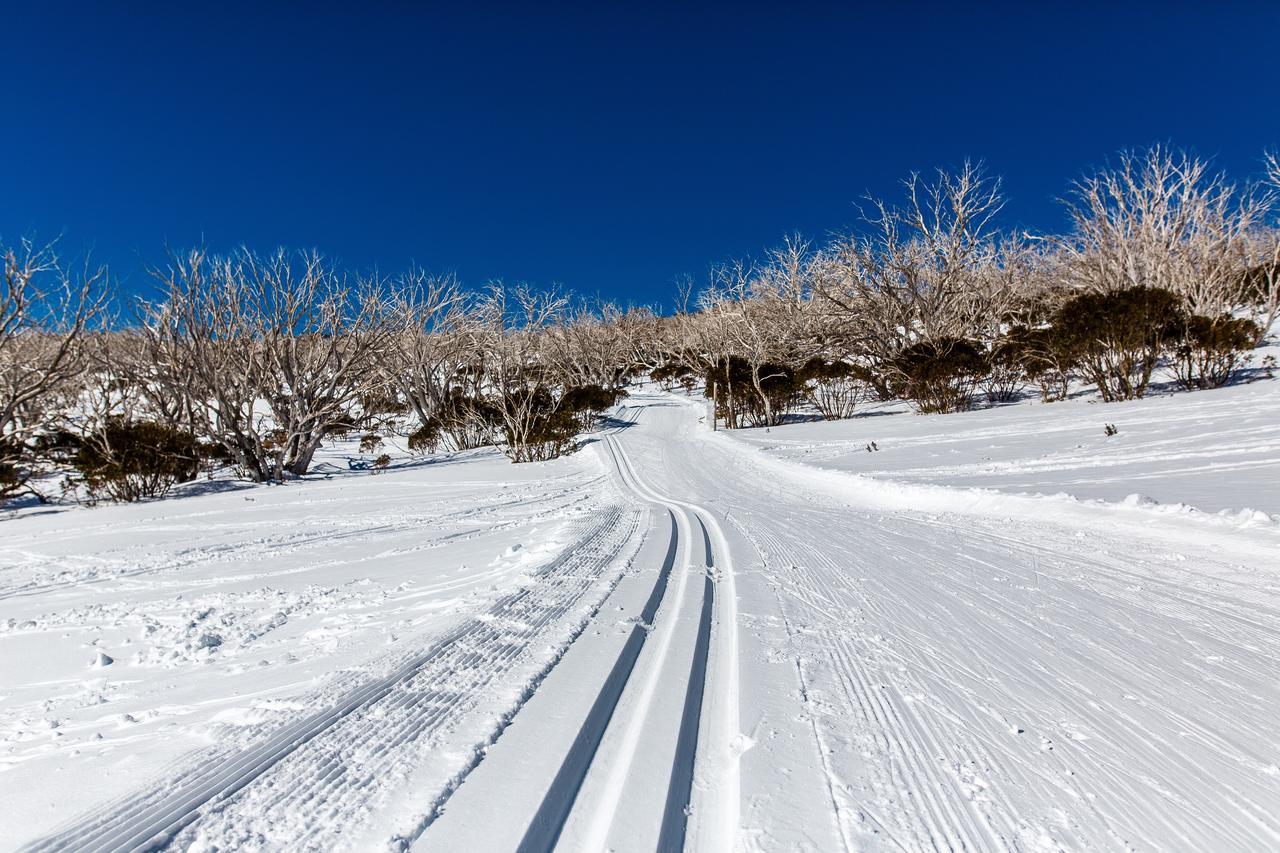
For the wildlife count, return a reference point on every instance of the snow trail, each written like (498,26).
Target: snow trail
(303,782)
(801,661)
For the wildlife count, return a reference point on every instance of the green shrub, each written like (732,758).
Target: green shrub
(462,422)
(940,375)
(1117,338)
(1044,357)
(131,460)
(1211,350)
(587,402)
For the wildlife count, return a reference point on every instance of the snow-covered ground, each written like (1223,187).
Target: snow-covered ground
(675,636)
(229,614)
(1216,450)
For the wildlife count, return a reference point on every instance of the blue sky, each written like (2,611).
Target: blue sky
(604,147)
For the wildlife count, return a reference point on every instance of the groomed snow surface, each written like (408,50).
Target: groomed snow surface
(999,630)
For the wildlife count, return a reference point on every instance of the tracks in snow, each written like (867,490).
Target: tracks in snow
(310,782)
(657,653)
(311,778)
(706,738)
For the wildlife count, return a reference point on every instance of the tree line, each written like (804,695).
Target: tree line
(248,362)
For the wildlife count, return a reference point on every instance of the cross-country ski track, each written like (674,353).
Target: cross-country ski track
(734,652)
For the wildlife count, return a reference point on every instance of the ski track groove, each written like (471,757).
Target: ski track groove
(709,751)
(548,822)
(318,770)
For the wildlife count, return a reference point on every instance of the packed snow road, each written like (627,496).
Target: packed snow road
(992,677)
(731,652)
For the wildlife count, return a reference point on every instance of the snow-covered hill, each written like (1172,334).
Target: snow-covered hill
(674,637)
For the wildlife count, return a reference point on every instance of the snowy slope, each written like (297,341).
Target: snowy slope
(1213,450)
(230,615)
(698,644)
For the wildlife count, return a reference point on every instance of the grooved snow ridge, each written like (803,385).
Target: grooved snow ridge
(296,786)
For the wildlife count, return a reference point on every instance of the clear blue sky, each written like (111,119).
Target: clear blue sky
(605,148)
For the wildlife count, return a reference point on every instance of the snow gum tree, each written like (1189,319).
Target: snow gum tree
(275,351)
(47,311)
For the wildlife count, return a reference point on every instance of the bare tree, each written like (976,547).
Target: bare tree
(277,351)
(46,312)
(917,275)
(523,386)
(1161,219)
(431,340)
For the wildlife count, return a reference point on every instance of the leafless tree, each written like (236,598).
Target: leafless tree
(47,310)
(277,351)
(521,382)
(1161,218)
(918,273)
(431,340)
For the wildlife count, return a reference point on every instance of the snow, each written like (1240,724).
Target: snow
(1217,450)
(1001,630)
(223,617)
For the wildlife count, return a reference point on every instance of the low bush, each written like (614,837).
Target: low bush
(462,422)
(1005,375)
(535,427)
(670,373)
(587,402)
(751,395)
(1117,338)
(940,375)
(833,387)
(131,460)
(1044,357)
(1212,349)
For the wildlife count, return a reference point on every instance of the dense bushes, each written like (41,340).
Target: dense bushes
(939,376)
(1211,349)
(132,460)
(747,394)
(1116,339)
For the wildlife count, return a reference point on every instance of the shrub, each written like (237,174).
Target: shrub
(379,406)
(588,401)
(833,387)
(535,427)
(15,469)
(1211,350)
(751,395)
(670,373)
(1044,357)
(1117,338)
(462,422)
(132,460)
(370,442)
(426,438)
(1004,375)
(940,375)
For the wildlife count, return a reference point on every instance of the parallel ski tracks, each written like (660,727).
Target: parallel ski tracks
(318,772)
(699,741)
